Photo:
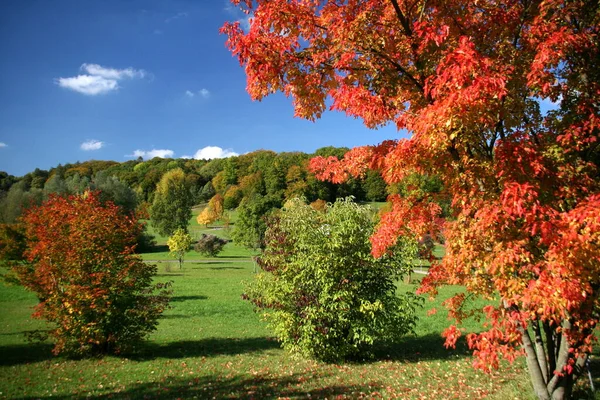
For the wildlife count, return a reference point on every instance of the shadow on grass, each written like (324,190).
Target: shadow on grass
(25,353)
(220,268)
(420,348)
(36,352)
(159,248)
(203,348)
(187,298)
(228,257)
(174,316)
(237,387)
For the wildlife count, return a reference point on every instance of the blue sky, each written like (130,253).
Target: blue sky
(114,79)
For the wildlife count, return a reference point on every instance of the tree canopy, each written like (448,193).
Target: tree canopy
(466,80)
(172,205)
(320,289)
(98,296)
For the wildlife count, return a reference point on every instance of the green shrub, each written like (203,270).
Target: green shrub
(320,288)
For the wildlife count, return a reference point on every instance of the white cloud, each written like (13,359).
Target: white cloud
(210,152)
(100,79)
(153,153)
(204,93)
(3,145)
(89,85)
(177,16)
(111,73)
(92,145)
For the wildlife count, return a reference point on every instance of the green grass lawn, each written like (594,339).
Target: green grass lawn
(211,344)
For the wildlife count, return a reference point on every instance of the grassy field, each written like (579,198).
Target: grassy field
(231,251)
(211,345)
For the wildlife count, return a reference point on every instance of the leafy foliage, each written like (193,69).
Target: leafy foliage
(97,295)
(210,245)
(12,242)
(179,243)
(466,80)
(250,226)
(172,205)
(321,290)
(212,212)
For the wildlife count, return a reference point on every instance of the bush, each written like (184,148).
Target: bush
(97,295)
(210,245)
(320,288)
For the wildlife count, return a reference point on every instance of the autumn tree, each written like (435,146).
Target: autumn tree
(232,197)
(172,205)
(471,82)
(207,216)
(179,243)
(212,212)
(98,296)
(216,203)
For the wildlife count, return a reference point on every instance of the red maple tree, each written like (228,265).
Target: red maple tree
(466,80)
(97,295)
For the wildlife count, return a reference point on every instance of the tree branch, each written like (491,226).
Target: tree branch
(537,378)
(550,342)
(539,349)
(562,359)
(401,69)
(402,18)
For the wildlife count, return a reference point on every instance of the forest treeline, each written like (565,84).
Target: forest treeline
(132,184)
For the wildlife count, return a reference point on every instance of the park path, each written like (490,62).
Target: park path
(205,260)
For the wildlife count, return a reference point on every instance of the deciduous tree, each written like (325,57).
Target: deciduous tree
(172,205)
(250,226)
(466,80)
(212,212)
(98,296)
(321,290)
(210,245)
(179,243)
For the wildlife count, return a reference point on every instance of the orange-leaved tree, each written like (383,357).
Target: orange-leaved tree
(212,212)
(97,294)
(466,80)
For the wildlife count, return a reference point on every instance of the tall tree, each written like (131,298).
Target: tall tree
(466,80)
(250,226)
(172,205)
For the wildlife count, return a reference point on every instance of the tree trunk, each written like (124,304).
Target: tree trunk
(550,354)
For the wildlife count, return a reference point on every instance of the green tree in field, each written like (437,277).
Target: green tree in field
(250,226)
(172,205)
(179,243)
(322,291)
